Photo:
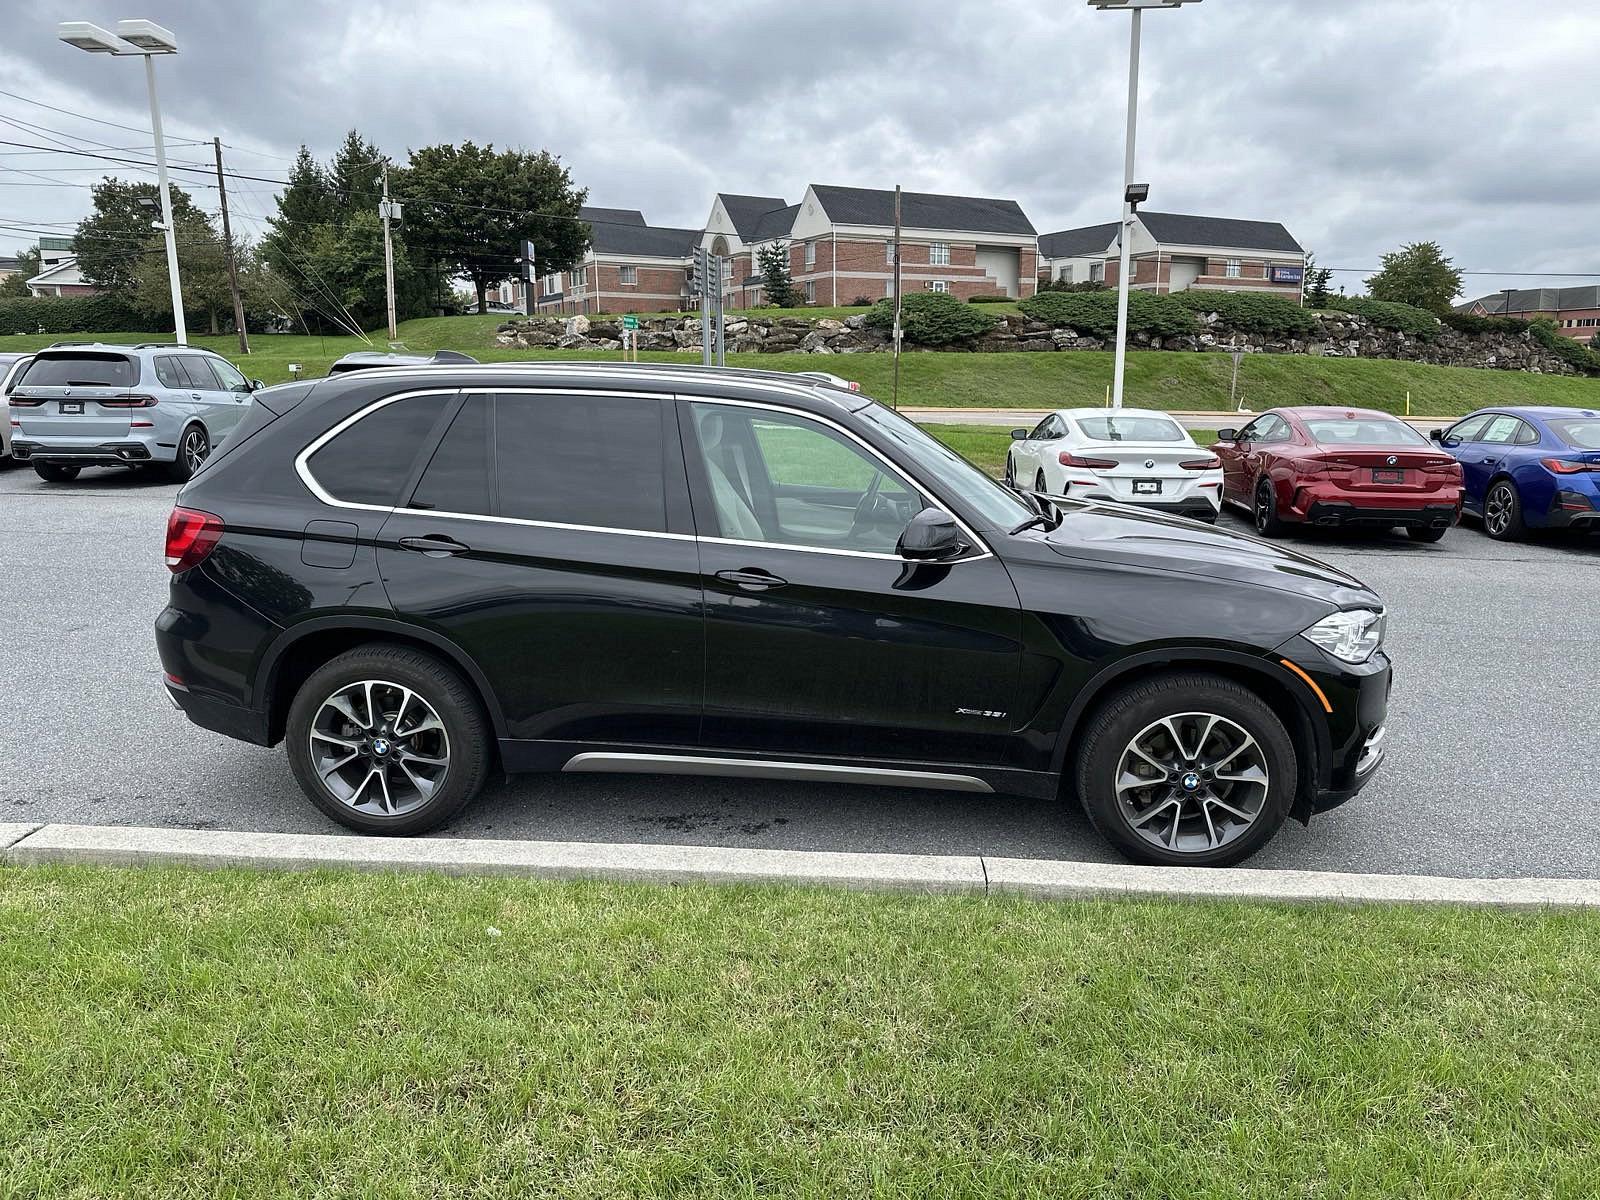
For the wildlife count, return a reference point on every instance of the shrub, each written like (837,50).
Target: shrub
(1467,323)
(932,318)
(1061,285)
(72,314)
(1574,354)
(988,299)
(1252,312)
(861,302)
(1095,313)
(1385,314)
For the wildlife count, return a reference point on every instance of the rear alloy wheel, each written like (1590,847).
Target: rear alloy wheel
(1502,512)
(1039,483)
(194,447)
(1011,471)
(385,739)
(1187,769)
(55,472)
(1265,511)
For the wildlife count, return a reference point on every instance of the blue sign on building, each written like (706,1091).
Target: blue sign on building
(1294,275)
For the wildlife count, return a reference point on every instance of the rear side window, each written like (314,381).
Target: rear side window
(457,477)
(201,376)
(168,374)
(580,460)
(81,370)
(369,462)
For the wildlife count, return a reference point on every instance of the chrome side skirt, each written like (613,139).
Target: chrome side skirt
(757,768)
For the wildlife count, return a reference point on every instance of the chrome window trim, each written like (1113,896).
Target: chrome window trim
(303,470)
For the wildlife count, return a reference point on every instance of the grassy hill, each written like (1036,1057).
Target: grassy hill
(1156,379)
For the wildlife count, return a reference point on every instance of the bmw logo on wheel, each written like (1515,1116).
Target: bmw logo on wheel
(1191,781)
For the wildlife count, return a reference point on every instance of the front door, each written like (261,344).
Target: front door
(548,536)
(820,639)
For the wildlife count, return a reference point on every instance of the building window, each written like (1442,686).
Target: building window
(888,253)
(939,254)
(938,285)
(552,282)
(888,288)
(579,276)
(811,255)
(1097,272)
(811,291)
(1234,269)
(628,276)
(1065,274)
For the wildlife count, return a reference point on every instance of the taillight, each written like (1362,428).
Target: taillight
(1315,468)
(24,401)
(1565,466)
(128,402)
(1069,459)
(1201,464)
(191,536)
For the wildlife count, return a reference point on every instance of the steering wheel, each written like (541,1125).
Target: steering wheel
(873,510)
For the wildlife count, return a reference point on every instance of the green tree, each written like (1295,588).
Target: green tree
(777,284)
(202,272)
(1417,274)
(355,177)
(308,199)
(471,207)
(27,267)
(110,241)
(1319,283)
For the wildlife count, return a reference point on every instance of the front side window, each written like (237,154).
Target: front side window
(1469,430)
(992,505)
(369,461)
(783,478)
(554,463)
(229,376)
(939,254)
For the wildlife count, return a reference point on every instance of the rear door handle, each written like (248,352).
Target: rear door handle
(1488,460)
(752,579)
(434,545)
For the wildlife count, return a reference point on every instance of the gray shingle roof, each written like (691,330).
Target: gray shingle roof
(1088,242)
(611,216)
(746,212)
(1530,300)
(1177,229)
(774,224)
(657,241)
(922,210)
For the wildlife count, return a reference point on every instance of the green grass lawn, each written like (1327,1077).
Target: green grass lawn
(166,1033)
(1156,379)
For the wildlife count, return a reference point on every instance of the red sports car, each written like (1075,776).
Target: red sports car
(1339,466)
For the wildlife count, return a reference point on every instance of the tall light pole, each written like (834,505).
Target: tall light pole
(148,39)
(1132,193)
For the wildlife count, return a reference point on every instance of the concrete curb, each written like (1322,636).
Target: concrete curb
(22,845)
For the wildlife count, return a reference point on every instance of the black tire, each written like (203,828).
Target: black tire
(1502,512)
(1264,511)
(1039,484)
(194,447)
(1011,471)
(55,472)
(470,738)
(1121,719)
(1426,533)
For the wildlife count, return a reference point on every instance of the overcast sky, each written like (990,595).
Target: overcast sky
(1360,124)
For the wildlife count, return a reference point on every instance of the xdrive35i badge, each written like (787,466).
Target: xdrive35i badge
(979,712)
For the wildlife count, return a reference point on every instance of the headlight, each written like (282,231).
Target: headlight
(1351,636)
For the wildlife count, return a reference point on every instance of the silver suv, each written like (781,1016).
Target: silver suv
(153,404)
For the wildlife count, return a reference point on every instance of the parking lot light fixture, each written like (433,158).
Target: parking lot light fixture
(1125,238)
(146,39)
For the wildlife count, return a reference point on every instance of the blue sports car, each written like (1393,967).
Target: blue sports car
(1528,468)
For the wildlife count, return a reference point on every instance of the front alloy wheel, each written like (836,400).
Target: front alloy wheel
(1192,782)
(194,447)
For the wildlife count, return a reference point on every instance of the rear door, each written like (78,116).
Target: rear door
(549,537)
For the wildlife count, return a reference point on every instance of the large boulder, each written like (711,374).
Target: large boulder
(577,326)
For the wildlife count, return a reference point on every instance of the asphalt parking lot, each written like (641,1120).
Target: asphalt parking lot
(1492,726)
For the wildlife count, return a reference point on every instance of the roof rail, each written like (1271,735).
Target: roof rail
(59,345)
(169,345)
(452,356)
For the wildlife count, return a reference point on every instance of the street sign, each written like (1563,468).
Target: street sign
(630,322)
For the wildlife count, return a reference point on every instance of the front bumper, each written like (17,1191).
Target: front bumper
(120,452)
(1349,703)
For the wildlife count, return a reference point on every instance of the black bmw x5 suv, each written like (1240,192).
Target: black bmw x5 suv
(414,577)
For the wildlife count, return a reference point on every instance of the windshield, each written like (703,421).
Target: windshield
(996,504)
(80,370)
(1131,429)
(1362,431)
(1581,433)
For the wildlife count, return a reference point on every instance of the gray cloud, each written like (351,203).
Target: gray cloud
(1359,123)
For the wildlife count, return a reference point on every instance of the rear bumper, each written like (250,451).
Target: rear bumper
(122,451)
(1572,509)
(246,724)
(1344,512)
(1199,507)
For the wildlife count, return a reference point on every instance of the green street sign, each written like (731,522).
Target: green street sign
(630,322)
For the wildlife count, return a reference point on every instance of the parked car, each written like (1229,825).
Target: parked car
(420,576)
(1339,467)
(1529,468)
(11,368)
(153,404)
(1130,455)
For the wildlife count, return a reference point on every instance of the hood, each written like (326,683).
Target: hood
(1118,533)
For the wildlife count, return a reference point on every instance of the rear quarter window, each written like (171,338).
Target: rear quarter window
(370,461)
(81,370)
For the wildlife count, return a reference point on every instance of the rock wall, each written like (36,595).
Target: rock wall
(1338,335)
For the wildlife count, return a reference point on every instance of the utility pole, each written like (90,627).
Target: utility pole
(227,242)
(385,210)
(895,399)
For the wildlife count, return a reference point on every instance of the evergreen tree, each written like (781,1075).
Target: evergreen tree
(777,283)
(1319,283)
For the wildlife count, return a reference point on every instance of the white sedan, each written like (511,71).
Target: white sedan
(1129,455)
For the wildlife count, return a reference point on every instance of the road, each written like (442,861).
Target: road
(1017,418)
(1490,770)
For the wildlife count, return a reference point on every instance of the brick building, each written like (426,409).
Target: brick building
(1172,252)
(1575,310)
(630,266)
(58,271)
(841,244)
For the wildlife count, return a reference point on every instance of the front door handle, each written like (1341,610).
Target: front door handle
(1488,461)
(434,545)
(752,579)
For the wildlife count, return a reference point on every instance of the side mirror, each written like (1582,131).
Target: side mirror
(929,536)
(1436,435)
(1019,435)
(256,385)
(1227,435)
